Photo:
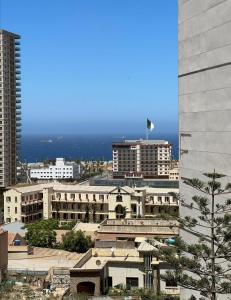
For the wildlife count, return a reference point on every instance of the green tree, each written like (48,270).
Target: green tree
(76,241)
(124,210)
(68,225)
(204,266)
(87,214)
(93,212)
(42,233)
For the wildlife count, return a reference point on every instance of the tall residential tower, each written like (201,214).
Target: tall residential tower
(204,94)
(10,114)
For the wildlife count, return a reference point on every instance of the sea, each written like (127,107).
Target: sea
(35,148)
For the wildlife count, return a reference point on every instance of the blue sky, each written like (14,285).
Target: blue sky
(96,66)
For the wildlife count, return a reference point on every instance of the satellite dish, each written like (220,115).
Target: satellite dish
(98,262)
(112,251)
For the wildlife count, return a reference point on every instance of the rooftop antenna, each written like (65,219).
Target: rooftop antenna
(26,171)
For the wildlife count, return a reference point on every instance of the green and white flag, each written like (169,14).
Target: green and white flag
(150,125)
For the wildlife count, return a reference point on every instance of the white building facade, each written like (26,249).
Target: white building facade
(69,202)
(61,170)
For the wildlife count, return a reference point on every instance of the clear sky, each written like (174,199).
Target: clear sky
(96,66)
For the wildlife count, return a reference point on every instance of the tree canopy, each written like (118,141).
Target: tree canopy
(76,241)
(204,265)
(42,233)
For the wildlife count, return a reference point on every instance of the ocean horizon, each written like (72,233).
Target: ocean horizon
(36,148)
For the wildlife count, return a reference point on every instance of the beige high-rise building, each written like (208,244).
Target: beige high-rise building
(142,159)
(10,114)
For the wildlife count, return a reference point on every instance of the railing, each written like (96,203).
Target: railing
(141,222)
(140,229)
(172,290)
(26,271)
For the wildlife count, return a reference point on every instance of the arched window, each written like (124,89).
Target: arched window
(119,198)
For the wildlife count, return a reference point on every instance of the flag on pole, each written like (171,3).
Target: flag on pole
(150,125)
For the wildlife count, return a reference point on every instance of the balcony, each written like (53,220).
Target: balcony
(18,136)
(18,95)
(18,84)
(18,113)
(18,90)
(17,43)
(18,106)
(18,118)
(18,77)
(18,101)
(18,130)
(18,72)
(17,66)
(17,60)
(17,48)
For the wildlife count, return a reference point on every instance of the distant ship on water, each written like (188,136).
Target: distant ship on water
(46,141)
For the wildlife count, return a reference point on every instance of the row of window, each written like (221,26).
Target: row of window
(73,196)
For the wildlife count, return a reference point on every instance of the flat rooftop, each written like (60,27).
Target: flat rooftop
(100,256)
(155,183)
(42,260)
(78,188)
(143,142)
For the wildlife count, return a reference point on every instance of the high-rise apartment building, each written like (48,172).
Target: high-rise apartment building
(141,159)
(10,114)
(204,94)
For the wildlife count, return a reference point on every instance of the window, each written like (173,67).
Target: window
(171,283)
(8,199)
(15,210)
(132,282)
(8,209)
(109,281)
(16,199)
(166,199)
(119,198)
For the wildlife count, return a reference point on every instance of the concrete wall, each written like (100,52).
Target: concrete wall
(119,272)
(204,92)
(12,206)
(3,253)
(47,195)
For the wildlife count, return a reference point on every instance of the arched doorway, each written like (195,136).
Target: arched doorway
(86,287)
(120,212)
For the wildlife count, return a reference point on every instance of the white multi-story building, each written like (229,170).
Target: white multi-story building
(142,159)
(61,170)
